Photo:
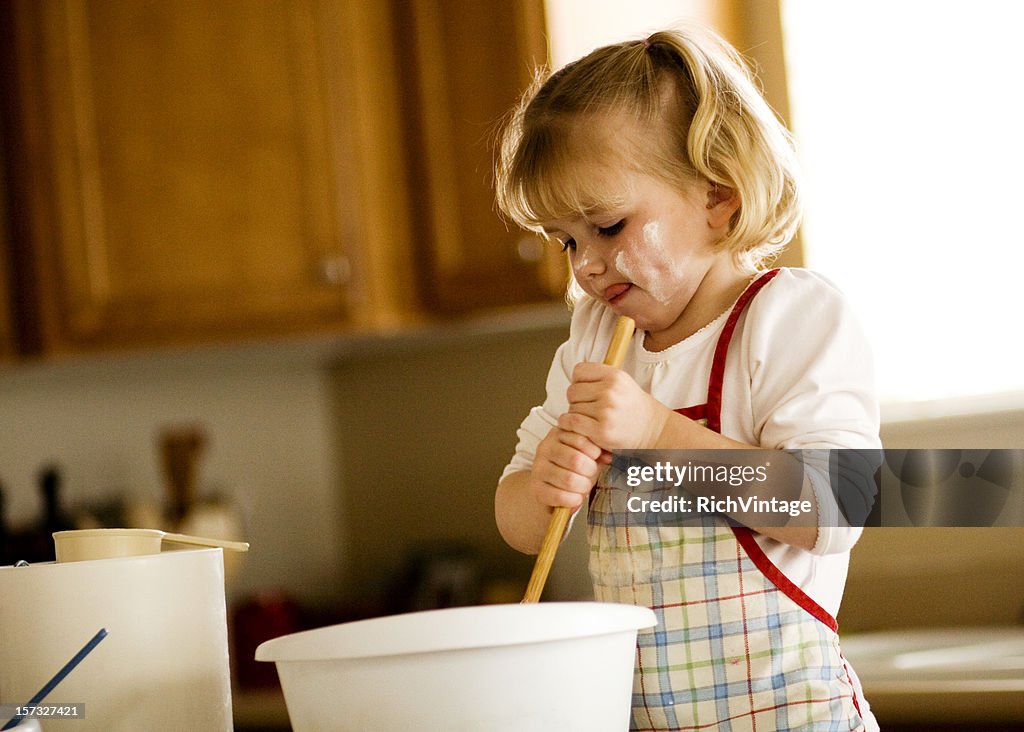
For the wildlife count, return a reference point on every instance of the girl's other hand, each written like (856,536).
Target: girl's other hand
(608,408)
(565,468)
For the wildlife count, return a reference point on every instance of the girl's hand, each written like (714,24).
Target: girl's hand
(565,468)
(608,408)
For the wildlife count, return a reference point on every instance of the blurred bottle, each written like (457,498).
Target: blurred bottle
(180,449)
(36,543)
(54,516)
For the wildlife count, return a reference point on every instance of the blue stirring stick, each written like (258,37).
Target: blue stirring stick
(59,676)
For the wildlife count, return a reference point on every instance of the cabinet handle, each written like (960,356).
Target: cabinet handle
(335,270)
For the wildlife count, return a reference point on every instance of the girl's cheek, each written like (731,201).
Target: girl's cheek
(644,263)
(579,265)
(630,261)
(624,265)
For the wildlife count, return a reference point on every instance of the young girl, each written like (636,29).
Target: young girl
(669,181)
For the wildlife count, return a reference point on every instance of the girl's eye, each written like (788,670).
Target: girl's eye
(613,229)
(569,245)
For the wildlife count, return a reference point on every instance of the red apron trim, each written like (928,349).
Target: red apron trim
(714,404)
(696,413)
(746,539)
(849,680)
(744,535)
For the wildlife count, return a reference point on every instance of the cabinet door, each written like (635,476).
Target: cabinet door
(186,168)
(7,341)
(466,66)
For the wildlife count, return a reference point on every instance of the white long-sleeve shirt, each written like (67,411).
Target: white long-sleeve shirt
(798,376)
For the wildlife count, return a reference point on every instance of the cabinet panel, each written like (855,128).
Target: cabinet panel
(467,65)
(8,342)
(191,171)
(184,177)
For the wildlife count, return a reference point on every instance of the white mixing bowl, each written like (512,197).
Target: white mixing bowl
(547,666)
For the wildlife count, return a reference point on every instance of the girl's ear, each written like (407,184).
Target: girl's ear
(722,204)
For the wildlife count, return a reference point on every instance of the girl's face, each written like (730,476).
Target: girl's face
(653,257)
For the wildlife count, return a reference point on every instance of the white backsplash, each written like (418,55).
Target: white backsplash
(270,448)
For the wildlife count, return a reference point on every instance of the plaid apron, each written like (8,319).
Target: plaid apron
(737,646)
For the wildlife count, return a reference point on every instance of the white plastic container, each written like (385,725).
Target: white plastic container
(547,666)
(164,662)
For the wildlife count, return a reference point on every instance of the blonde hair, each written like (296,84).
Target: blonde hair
(702,118)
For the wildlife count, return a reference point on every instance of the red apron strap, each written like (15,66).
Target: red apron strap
(714,416)
(696,413)
(789,588)
(714,413)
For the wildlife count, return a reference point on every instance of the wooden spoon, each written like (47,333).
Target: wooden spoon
(560,516)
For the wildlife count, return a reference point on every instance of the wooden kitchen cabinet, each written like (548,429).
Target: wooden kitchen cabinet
(188,171)
(8,340)
(467,64)
(8,344)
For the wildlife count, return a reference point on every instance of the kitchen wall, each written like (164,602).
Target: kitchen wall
(270,451)
(423,436)
(344,457)
(341,455)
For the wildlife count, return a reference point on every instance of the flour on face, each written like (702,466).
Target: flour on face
(582,262)
(646,263)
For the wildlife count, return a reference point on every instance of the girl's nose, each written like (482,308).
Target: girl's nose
(588,261)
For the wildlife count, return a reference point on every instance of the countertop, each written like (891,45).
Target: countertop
(941,674)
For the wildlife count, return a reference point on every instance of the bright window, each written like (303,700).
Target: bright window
(910,125)
(909,117)
(577,27)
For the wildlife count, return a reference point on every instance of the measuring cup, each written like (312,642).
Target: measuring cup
(84,544)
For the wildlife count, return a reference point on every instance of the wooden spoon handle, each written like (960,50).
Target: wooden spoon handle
(560,516)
